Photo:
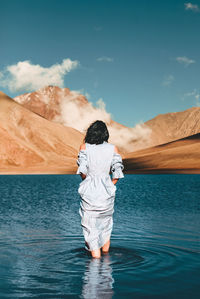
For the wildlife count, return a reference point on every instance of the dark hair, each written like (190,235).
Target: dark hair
(97,133)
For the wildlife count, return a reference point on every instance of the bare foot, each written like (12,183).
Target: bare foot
(106,247)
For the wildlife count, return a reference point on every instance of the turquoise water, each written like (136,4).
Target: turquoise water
(154,246)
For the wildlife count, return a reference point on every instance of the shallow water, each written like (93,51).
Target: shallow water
(154,246)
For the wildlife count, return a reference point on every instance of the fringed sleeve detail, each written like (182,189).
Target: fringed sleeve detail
(117,166)
(82,162)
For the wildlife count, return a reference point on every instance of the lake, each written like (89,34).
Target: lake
(154,245)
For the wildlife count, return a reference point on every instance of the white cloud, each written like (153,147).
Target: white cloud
(130,139)
(190,94)
(198,103)
(197,99)
(87,95)
(185,60)
(83,92)
(195,94)
(78,114)
(73,110)
(25,76)
(193,7)
(105,58)
(100,104)
(168,80)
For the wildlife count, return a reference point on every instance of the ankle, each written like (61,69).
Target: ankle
(96,253)
(96,256)
(106,246)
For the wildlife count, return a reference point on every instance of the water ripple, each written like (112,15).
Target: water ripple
(154,246)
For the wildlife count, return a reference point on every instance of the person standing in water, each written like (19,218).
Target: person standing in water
(96,159)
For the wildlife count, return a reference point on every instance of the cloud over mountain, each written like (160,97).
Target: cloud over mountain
(25,76)
(72,109)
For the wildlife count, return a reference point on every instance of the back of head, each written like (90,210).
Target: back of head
(97,133)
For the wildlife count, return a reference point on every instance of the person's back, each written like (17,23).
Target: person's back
(99,158)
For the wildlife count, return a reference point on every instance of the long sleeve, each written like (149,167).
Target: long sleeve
(82,162)
(117,166)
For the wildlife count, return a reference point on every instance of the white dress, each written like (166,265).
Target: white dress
(97,191)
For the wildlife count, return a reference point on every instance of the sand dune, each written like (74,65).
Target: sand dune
(180,156)
(32,144)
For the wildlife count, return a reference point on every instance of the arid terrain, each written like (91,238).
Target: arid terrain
(181,156)
(38,134)
(32,144)
(72,109)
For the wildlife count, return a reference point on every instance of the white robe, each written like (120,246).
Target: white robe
(97,191)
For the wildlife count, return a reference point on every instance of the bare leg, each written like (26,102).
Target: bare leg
(96,253)
(105,247)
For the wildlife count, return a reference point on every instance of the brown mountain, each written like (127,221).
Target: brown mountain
(172,126)
(32,144)
(46,101)
(180,156)
(32,132)
(72,109)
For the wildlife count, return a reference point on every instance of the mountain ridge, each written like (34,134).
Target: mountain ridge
(163,128)
(73,109)
(30,141)
(179,156)
(34,144)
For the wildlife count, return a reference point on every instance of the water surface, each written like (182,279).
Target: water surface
(154,246)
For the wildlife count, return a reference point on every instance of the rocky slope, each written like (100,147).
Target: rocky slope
(47,101)
(32,144)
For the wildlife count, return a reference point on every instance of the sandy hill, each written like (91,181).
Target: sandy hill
(172,126)
(32,144)
(180,156)
(73,109)
(35,136)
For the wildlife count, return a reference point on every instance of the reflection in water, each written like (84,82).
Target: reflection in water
(98,280)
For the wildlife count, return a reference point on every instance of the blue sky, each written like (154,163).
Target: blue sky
(141,57)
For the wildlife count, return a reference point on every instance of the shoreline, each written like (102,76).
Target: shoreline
(73,172)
